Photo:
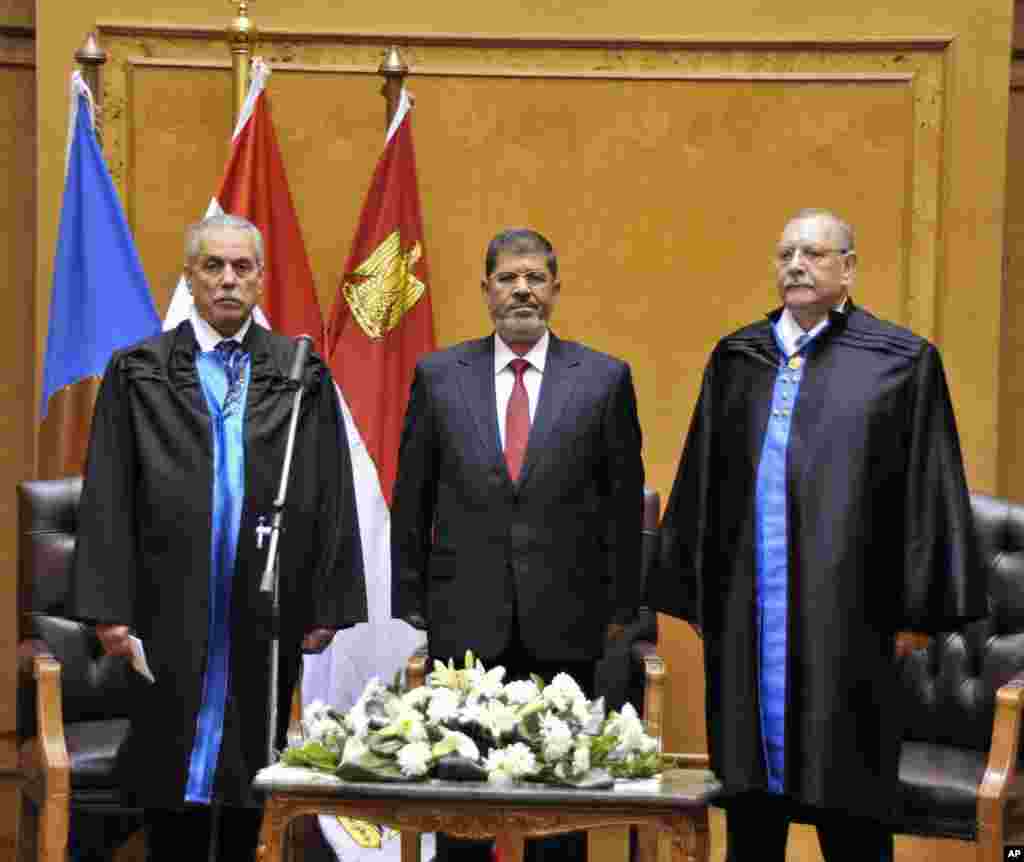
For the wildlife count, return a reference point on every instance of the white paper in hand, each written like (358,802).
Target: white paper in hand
(139,659)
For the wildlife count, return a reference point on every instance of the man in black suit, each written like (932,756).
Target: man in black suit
(516,518)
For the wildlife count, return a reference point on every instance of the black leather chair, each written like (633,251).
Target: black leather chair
(624,675)
(72,700)
(963,698)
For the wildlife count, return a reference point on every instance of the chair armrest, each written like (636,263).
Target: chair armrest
(908,642)
(687,760)
(1001,768)
(642,650)
(51,745)
(654,685)
(28,650)
(416,669)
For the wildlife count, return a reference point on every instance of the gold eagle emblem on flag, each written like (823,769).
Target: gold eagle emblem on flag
(366,835)
(383,288)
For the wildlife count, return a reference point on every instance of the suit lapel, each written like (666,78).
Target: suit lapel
(556,389)
(476,381)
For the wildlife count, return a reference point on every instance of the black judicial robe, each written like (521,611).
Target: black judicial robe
(880,540)
(143,551)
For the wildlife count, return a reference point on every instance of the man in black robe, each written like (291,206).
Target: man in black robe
(820,507)
(184,461)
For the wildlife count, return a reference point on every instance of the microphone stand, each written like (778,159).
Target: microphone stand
(271,580)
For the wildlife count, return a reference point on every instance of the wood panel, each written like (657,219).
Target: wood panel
(17,244)
(1011,413)
(17,175)
(967,43)
(662,172)
(645,180)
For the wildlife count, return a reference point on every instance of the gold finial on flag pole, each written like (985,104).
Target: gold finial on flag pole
(241,38)
(394,70)
(90,57)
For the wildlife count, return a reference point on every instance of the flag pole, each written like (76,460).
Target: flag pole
(241,38)
(90,57)
(394,70)
(241,35)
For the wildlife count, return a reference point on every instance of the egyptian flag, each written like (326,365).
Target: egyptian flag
(380,325)
(382,320)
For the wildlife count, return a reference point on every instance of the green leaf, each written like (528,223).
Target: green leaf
(312,755)
(600,748)
(385,746)
(593,779)
(360,772)
(396,686)
(638,766)
(445,746)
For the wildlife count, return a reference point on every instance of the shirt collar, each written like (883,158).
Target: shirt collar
(789,330)
(207,336)
(536,355)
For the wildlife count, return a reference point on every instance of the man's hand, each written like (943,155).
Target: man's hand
(114,639)
(317,640)
(614,632)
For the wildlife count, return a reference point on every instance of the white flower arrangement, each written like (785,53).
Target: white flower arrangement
(414,759)
(468,723)
(511,763)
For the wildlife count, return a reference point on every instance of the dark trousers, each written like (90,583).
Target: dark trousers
(519,664)
(96,837)
(758,824)
(200,833)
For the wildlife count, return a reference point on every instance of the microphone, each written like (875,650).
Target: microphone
(303,344)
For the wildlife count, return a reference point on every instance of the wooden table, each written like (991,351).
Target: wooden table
(676,803)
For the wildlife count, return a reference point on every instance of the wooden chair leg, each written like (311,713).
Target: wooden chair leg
(647,844)
(410,846)
(53,762)
(53,829)
(28,830)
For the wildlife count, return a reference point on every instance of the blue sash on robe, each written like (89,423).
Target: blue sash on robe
(228,496)
(772,555)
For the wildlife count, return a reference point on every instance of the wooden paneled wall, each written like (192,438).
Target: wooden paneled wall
(17,355)
(662,162)
(1011,417)
(661,170)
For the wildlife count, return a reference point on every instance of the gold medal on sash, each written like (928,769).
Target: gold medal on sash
(795,362)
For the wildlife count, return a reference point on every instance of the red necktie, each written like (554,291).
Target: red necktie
(517,421)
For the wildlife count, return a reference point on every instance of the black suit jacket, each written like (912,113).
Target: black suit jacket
(560,547)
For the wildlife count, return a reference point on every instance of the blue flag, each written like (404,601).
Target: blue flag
(100,300)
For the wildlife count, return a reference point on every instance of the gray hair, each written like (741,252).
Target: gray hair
(845,231)
(195,232)
(517,241)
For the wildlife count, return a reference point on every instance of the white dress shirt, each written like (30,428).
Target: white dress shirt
(789,330)
(505,377)
(207,336)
